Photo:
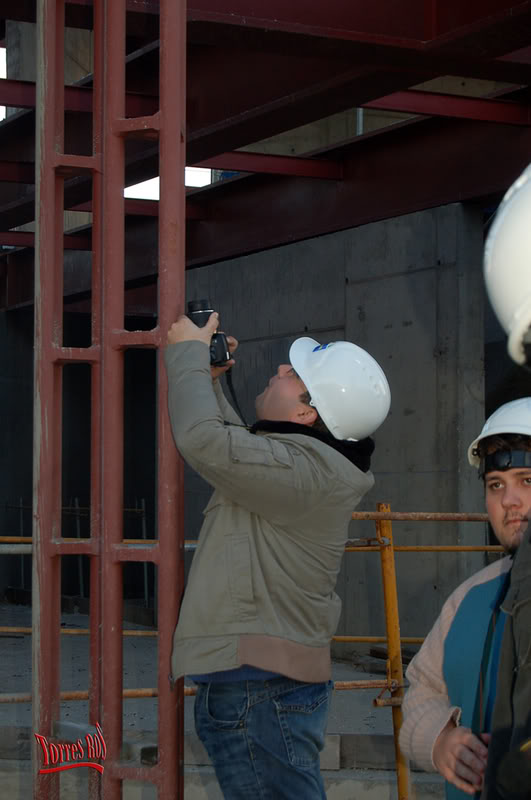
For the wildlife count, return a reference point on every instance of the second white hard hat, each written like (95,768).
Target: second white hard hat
(507,264)
(513,417)
(347,386)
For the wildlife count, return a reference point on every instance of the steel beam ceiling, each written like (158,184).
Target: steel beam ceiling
(258,69)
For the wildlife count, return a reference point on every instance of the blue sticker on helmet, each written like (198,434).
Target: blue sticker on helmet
(322,347)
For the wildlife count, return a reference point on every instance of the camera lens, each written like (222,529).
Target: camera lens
(199,305)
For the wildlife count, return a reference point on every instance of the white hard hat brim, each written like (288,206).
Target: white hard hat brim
(299,352)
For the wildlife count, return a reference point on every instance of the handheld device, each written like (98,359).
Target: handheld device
(199,311)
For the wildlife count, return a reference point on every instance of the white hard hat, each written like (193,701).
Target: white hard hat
(507,264)
(347,386)
(513,417)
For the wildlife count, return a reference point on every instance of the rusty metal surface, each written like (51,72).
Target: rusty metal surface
(394,663)
(46,579)
(423,516)
(108,211)
(170,487)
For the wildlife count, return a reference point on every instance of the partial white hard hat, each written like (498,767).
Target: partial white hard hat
(347,386)
(513,417)
(507,264)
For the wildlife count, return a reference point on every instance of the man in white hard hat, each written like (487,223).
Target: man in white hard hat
(507,270)
(259,610)
(453,679)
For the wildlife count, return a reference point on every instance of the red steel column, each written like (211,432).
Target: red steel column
(96,484)
(109,30)
(47,383)
(109,339)
(170,302)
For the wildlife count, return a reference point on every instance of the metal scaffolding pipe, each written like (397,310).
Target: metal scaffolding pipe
(392,621)
(15,549)
(423,516)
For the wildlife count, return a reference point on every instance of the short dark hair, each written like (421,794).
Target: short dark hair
(318,425)
(499,443)
(505,441)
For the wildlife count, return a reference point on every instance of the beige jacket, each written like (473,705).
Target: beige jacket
(261,585)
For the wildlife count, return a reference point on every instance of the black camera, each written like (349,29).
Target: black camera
(199,311)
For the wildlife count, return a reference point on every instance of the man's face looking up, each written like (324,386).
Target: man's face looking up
(281,399)
(508,501)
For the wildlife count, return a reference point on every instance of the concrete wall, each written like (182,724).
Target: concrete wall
(410,291)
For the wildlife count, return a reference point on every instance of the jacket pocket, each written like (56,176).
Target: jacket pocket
(238,553)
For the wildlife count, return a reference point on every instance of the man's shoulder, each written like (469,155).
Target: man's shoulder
(327,458)
(489,573)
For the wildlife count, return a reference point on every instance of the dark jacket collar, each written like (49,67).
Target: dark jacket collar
(358,453)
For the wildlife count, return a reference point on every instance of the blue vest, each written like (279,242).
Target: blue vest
(464,650)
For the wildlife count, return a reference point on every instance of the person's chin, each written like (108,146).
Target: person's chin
(514,543)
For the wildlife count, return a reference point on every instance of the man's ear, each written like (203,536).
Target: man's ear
(305,414)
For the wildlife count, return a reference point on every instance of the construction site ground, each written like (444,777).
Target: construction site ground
(358,760)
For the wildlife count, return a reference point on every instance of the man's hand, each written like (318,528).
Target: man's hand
(217,371)
(461,757)
(184,330)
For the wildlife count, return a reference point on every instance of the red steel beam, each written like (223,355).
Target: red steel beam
(133,207)
(255,122)
(440,161)
(455,106)
(409,101)
(413,18)
(414,24)
(400,23)
(256,111)
(405,19)
(453,20)
(27,239)
(274,165)
(141,18)
(21,94)
(17,171)
(24,172)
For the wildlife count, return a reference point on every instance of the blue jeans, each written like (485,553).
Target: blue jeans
(264,737)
